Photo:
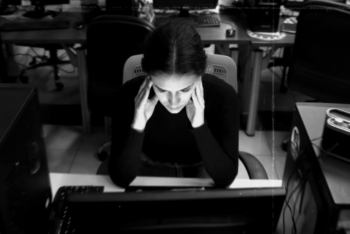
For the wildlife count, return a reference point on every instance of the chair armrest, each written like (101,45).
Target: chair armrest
(253,166)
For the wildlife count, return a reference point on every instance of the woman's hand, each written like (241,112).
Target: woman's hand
(195,108)
(144,107)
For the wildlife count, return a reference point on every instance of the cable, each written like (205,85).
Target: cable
(66,70)
(304,179)
(23,55)
(62,56)
(22,64)
(287,186)
(36,52)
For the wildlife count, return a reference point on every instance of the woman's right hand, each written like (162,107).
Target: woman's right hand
(144,107)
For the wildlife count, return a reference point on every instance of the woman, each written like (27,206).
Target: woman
(177,121)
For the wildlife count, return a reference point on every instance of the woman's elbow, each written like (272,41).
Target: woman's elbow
(225,180)
(122,180)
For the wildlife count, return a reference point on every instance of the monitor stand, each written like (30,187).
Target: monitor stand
(39,12)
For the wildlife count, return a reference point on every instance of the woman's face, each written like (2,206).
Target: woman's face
(174,91)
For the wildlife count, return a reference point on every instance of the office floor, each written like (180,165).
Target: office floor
(70,151)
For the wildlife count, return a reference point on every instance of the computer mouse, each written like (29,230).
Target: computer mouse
(230,32)
(79,25)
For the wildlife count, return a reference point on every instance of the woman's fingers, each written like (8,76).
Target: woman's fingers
(145,93)
(197,97)
(200,92)
(142,87)
(154,100)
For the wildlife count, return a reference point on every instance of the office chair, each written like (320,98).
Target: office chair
(53,61)
(320,64)
(111,40)
(222,67)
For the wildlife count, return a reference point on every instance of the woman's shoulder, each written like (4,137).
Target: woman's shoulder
(216,86)
(134,82)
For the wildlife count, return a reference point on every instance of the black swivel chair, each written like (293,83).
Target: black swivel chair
(320,64)
(111,40)
(41,61)
(321,53)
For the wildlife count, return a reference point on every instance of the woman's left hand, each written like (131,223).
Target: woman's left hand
(195,108)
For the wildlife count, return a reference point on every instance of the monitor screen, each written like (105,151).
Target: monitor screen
(48,2)
(10,2)
(182,211)
(190,4)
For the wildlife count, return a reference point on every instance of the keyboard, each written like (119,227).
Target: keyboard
(195,21)
(59,217)
(27,25)
(206,21)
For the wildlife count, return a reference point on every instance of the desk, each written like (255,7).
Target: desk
(209,35)
(252,77)
(60,179)
(60,36)
(323,204)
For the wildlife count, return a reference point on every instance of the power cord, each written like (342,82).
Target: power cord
(287,186)
(303,181)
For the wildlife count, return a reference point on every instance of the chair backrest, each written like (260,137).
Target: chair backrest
(219,65)
(320,65)
(111,40)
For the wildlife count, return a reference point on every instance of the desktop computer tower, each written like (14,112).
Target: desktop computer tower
(25,191)
(262,15)
(317,184)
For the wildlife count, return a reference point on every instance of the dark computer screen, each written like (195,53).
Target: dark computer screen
(186,211)
(192,4)
(39,11)
(185,5)
(11,2)
(48,2)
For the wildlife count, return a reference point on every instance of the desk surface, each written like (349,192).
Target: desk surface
(60,179)
(52,36)
(72,35)
(336,172)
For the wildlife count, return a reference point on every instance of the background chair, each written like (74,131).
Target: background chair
(224,68)
(41,61)
(111,40)
(320,63)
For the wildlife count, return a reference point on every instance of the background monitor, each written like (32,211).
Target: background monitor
(38,10)
(185,5)
(253,210)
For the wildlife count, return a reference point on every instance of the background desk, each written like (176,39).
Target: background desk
(60,179)
(322,205)
(209,35)
(252,74)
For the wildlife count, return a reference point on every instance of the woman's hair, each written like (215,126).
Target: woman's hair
(174,48)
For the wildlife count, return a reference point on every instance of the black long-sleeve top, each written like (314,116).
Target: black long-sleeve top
(171,138)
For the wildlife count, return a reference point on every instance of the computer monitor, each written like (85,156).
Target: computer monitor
(39,11)
(184,6)
(296,5)
(250,210)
